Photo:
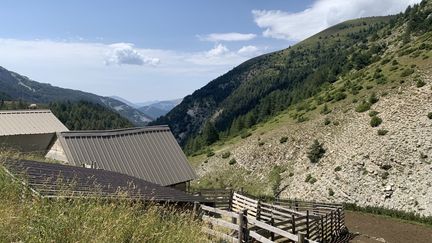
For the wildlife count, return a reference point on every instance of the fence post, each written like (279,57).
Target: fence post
(195,212)
(242,237)
(322,228)
(331,222)
(231,195)
(307,224)
(339,220)
(293,224)
(301,238)
(272,235)
(258,214)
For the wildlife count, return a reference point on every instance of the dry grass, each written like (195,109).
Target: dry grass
(25,218)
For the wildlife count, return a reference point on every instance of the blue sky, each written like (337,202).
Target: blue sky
(156,50)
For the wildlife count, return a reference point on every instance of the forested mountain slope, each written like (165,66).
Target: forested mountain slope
(263,86)
(363,138)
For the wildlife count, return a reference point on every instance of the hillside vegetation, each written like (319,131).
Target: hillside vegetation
(16,87)
(26,218)
(363,138)
(82,115)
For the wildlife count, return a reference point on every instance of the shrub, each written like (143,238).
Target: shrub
(382,132)
(362,107)
(373,113)
(283,139)
(375,121)
(339,96)
(226,155)
(420,83)
(310,179)
(331,192)
(325,110)
(244,135)
(301,119)
(407,72)
(336,123)
(291,174)
(429,115)
(260,143)
(385,175)
(232,161)
(327,121)
(386,167)
(337,168)
(373,98)
(316,151)
(210,154)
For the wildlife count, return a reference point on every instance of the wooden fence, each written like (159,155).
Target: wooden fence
(282,221)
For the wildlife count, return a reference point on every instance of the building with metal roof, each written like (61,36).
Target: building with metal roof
(149,153)
(49,180)
(29,130)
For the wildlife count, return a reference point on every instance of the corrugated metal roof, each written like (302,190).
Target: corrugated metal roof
(149,153)
(29,122)
(53,180)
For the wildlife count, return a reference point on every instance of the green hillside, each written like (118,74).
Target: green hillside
(261,88)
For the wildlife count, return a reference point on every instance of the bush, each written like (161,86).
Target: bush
(339,96)
(245,135)
(310,179)
(316,152)
(283,139)
(210,154)
(373,98)
(373,113)
(336,123)
(260,143)
(325,110)
(375,121)
(232,161)
(420,83)
(226,155)
(386,167)
(382,132)
(362,107)
(327,121)
(385,175)
(337,168)
(429,115)
(331,192)
(407,72)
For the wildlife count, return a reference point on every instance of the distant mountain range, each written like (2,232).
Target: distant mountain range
(14,86)
(153,109)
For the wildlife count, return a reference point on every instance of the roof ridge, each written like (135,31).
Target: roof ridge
(25,111)
(116,131)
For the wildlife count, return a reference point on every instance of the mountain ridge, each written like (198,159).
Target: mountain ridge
(19,87)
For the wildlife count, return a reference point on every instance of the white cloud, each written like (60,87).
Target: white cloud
(82,65)
(124,53)
(248,50)
(322,14)
(216,37)
(218,50)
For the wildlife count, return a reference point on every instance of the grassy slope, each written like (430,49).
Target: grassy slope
(418,60)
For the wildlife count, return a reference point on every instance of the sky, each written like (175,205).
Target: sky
(158,50)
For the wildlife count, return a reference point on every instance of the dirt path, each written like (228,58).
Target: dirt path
(370,228)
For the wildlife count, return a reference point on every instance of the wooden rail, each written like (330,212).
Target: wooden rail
(282,220)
